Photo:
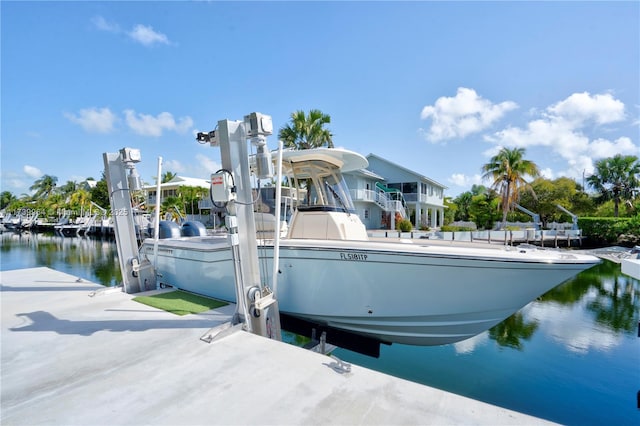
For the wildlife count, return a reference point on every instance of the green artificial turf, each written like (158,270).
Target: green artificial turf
(180,302)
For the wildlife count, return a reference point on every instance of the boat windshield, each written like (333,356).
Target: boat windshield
(325,187)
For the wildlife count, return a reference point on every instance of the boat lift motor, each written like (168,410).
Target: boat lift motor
(257,307)
(122,178)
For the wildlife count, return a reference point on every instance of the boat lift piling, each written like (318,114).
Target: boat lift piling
(276,233)
(156,221)
(257,307)
(137,273)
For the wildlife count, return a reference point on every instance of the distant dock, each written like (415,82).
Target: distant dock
(68,358)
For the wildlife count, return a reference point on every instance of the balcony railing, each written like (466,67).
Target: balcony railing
(380,199)
(422,198)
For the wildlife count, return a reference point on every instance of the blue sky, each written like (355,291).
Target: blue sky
(437,87)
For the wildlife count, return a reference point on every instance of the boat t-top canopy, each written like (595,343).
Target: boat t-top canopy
(343,159)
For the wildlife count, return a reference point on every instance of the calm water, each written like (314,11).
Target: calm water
(571,357)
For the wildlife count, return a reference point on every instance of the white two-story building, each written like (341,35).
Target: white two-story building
(386,191)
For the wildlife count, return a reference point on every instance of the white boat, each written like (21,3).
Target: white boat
(331,273)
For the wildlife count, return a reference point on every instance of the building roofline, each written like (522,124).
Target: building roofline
(365,172)
(407,170)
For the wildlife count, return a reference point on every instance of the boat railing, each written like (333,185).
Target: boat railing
(545,237)
(86,225)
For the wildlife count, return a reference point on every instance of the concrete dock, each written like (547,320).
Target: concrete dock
(72,359)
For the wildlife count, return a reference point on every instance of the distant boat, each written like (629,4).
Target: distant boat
(331,273)
(29,221)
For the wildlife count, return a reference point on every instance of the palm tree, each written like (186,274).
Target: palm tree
(54,204)
(68,188)
(463,201)
(189,195)
(616,178)
(169,209)
(307,131)
(44,186)
(6,198)
(167,176)
(80,199)
(508,170)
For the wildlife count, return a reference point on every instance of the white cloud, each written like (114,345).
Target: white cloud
(492,152)
(18,186)
(601,148)
(146,36)
(561,128)
(460,179)
(582,107)
(143,34)
(32,171)
(100,23)
(547,173)
(173,166)
(464,114)
(94,120)
(207,165)
(202,167)
(148,125)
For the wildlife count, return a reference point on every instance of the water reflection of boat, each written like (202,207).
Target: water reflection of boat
(331,273)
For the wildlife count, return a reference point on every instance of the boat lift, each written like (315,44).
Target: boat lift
(122,179)
(574,218)
(534,216)
(256,305)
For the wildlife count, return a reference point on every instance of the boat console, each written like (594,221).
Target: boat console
(322,225)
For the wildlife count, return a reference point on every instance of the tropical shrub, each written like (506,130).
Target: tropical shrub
(453,228)
(404,225)
(611,230)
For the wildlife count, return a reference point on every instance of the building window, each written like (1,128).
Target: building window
(410,188)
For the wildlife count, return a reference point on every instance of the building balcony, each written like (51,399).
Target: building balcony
(423,199)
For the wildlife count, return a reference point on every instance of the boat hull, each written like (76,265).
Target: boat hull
(396,293)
